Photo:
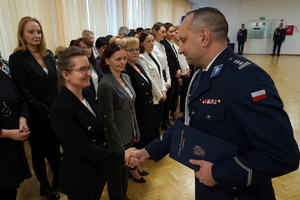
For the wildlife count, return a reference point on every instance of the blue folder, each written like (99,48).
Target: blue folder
(190,143)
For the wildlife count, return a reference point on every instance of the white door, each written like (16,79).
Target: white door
(260,37)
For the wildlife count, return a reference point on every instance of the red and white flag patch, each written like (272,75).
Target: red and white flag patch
(259,95)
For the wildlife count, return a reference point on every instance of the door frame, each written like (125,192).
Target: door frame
(265,44)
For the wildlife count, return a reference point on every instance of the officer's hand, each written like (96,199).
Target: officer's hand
(204,174)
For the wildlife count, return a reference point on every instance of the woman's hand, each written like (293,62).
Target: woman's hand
(23,124)
(15,134)
(164,97)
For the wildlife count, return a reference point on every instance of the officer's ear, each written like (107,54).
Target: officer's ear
(204,37)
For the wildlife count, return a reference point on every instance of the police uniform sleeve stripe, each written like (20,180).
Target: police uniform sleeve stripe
(247,169)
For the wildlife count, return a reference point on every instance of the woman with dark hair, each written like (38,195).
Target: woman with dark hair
(13,131)
(153,69)
(185,70)
(116,98)
(139,30)
(78,124)
(33,69)
(175,74)
(96,76)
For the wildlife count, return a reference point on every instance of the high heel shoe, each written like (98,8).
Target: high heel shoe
(45,189)
(141,180)
(143,173)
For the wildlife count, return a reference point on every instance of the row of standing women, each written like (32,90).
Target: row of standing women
(96,140)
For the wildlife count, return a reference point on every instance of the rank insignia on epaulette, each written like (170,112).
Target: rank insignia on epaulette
(241,64)
(216,70)
(210,101)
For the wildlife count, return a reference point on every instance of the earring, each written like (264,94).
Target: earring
(68,80)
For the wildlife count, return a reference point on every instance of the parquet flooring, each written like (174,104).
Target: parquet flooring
(169,180)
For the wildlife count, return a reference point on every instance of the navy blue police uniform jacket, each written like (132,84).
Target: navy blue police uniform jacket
(246,111)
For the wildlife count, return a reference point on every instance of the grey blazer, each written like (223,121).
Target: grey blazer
(120,119)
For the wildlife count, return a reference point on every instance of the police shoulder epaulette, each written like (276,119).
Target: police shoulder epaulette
(240,63)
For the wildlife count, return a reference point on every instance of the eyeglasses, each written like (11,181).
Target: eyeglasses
(83,70)
(133,50)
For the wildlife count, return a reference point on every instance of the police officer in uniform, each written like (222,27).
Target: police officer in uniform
(241,39)
(278,39)
(233,99)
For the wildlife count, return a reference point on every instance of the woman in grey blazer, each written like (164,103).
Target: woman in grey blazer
(116,98)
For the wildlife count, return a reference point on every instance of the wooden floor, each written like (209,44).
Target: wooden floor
(169,180)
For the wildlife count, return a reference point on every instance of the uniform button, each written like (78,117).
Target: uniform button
(234,188)
(208,117)
(230,58)
(153,76)
(130,111)
(104,116)
(150,101)
(89,128)
(235,198)
(105,129)
(146,93)
(192,113)
(94,141)
(152,69)
(143,83)
(104,144)
(189,95)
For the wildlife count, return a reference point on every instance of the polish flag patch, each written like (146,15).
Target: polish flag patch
(259,95)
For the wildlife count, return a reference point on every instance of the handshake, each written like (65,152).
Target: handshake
(134,157)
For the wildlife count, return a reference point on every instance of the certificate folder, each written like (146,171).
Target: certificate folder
(190,143)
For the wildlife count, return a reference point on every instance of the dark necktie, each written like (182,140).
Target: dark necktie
(197,79)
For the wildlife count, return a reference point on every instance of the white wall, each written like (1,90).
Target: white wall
(238,13)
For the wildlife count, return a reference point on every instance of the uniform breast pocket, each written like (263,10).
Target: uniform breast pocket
(211,113)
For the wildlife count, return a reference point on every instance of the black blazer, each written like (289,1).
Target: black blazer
(173,62)
(36,86)
(14,166)
(100,75)
(86,156)
(144,107)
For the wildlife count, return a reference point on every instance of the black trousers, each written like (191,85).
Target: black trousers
(277,44)
(185,86)
(8,193)
(44,144)
(241,48)
(171,101)
(117,183)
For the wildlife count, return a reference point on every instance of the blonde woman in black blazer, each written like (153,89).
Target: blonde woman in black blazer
(78,124)
(116,98)
(33,70)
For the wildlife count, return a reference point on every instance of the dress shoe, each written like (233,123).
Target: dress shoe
(55,181)
(141,180)
(45,189)
(143,173)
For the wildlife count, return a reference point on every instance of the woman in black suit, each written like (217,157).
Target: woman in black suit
(13,130)
(175,74)
(33,70)
(144,108)
(96,76)
(78,124)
